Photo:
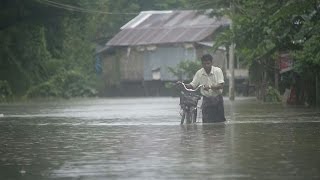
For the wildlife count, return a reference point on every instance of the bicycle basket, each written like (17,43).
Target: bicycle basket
(189,99)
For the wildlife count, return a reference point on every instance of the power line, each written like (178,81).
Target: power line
(62,6)
(78,9)
(70,7)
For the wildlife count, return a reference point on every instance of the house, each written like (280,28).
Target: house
(138,57)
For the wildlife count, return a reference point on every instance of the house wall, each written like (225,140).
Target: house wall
(137,64)
(111,71)
(166,56)
(131,64)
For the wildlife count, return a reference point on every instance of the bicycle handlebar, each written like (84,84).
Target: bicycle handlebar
(191,90)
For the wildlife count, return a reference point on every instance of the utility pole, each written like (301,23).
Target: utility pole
(231,70)
(231,58)
(317,90)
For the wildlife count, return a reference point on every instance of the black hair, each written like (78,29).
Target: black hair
(206,57)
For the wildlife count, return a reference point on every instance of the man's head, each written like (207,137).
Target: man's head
(206,61)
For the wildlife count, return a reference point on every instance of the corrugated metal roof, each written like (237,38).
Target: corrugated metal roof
(159,27)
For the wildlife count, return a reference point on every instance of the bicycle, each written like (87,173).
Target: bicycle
(188,102)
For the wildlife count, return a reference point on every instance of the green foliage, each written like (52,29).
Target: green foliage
(185,69)
(260,28)
(5,91)
(22,55)
(66,84)
(308,58)
(272,95)
(45,43)
(46,89)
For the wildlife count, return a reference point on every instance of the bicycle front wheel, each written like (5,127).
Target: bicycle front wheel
(194,115)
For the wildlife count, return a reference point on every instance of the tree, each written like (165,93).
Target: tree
(263,28)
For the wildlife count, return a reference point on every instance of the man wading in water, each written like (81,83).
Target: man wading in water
(212,79)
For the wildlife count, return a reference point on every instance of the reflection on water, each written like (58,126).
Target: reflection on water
(142,139)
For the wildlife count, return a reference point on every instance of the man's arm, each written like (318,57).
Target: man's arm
(217,87)
(220,80)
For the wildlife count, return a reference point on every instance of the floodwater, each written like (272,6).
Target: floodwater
(141,138)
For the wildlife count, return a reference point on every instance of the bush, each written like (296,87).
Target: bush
(46,89)
(185,70)
(66,84)
(272,95)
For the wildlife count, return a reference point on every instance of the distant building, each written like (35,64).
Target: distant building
(140,54)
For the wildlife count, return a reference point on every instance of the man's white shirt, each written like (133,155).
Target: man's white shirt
(214,78)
